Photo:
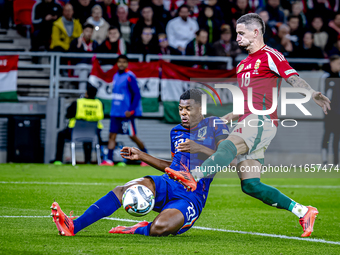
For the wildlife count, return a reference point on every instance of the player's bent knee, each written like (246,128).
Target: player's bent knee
(250,187)
(162,228)
(119,191)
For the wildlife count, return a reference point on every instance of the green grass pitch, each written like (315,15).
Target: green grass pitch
(29,190)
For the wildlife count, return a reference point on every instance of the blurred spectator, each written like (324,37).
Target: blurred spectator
(145,45)
(320,35)
(275,12)
(296,32)
(217,10)
(335,50)
(241,8)
(113,43)
(297,10)
(269,31)
(331,88)
(318,8)
(85,44)
(109,11)
(134,11)
(164,48)
(181,30)
(64,30)
(334,31)
(193,8)
(208,21)
(100,25)
(199,46)
(282,41)
(226,6)
(307,50)
(225,47)
(124,25)
(160,13)
(147,20)
(82,9)
(173,6)
(44,13)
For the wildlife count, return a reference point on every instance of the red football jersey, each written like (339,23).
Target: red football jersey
(262,70)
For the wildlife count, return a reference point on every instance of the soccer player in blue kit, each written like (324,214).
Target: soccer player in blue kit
(192,141)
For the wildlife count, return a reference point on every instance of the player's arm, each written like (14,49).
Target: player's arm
(192,147)
(321,100)
(133,153)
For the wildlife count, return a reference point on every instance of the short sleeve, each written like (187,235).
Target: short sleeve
(278,64)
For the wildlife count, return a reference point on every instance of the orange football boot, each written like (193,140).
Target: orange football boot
(184,177)
(307,221)
(63,222)
(128,230)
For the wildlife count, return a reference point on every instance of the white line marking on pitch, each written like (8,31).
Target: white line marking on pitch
(209,229)
(214,185)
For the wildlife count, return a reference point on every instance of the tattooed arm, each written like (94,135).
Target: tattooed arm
(321,100)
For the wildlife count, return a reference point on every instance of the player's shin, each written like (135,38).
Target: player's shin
(104,207)
(225,153)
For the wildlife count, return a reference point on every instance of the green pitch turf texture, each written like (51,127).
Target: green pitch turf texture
(29,190)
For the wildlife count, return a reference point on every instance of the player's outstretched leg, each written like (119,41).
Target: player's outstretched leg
(226,152)
(252,186)
(104,207)
(166,223)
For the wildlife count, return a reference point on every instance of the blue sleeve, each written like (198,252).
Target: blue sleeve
(135,93)
(221,132)
(172,144)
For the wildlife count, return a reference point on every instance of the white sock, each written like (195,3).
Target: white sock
(299,210)
(198,175)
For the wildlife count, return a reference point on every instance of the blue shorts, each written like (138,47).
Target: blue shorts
(172,195)
(125,126)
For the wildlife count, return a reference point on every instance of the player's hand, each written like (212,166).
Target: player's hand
(230,117)
(127,114)
(322,101)
(131,153)
(189,146)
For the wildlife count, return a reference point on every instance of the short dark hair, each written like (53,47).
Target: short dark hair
(113,27)
(292,16)
(87,25)
(250,19)
(183,6)
(91,91)
(333,58)
(123,57)
(201,30)
(194,94)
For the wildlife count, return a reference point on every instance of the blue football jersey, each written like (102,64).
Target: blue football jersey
(204,134)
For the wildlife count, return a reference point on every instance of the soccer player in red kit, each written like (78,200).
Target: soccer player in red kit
(261,71)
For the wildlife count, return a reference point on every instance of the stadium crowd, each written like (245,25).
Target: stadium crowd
(300,29)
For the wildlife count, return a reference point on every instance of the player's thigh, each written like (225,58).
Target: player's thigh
(190,211)
(145,181)
(249,169)
(239,143)
(169,221)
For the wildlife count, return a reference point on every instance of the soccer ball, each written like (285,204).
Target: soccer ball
(138,200)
